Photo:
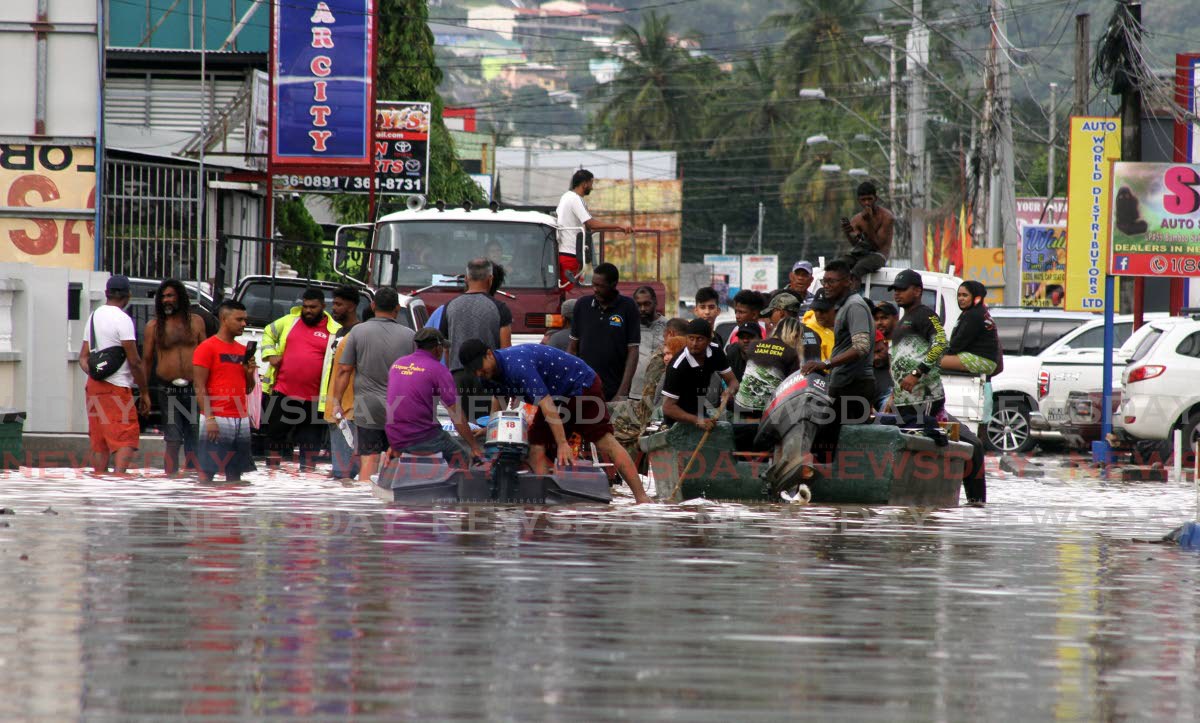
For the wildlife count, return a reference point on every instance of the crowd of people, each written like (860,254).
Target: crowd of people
(365,389)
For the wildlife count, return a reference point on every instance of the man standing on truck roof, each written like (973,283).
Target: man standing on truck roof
(343,451)
(371,349)
(170,339)
(573,218)
(296,347)
(869,233)
(605,333)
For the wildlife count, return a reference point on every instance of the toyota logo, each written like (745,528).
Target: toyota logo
(404,147)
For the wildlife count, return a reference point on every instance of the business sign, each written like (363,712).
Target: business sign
(1033,211)
(1095,143)
(726,270)
(401,156)
(321,83)
(1155,219)
(986,265)
(1043,266)
(58,186)
(1187,97)
(760,273)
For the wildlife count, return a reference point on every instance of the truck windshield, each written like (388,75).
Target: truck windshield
(430,251)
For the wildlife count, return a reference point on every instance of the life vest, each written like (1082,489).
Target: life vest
(274,341)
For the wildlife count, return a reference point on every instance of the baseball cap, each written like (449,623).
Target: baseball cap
(802,265)
(471,354)
(699,327)
(888,308)
(821,302)
(906,279)
(784,301)
(117,282)
(749,330)
(428,337)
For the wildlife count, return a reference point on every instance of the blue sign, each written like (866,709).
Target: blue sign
(321,81)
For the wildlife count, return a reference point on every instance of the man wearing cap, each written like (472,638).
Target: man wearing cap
(113,429)
(918,343)
(416,383)
(869,233)
(886,315)
(851,379)
(782,305)
(800,278)
(569,397)
(821,317)
(686,380)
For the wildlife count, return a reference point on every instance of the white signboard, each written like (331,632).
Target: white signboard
(760,273)
(727,268)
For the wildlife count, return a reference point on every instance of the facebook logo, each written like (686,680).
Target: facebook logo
(1122,263)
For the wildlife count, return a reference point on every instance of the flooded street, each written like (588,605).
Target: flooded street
(154,598)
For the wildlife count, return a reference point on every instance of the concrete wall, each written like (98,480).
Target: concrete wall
(39,345)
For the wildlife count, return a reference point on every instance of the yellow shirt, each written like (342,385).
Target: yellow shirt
(810,320)
(348,396)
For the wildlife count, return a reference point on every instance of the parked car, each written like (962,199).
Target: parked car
(1084,417)
(1159,390)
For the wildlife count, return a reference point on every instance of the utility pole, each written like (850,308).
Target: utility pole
(202,191)
(760,227)
(1131,138)
(918,56)
(1004,203)
(1050,143)
(632,213)
(723,239)
(1082,73)
(892,121)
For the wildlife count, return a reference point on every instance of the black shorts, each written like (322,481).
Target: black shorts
(179,413)
(289,421)
(372,441)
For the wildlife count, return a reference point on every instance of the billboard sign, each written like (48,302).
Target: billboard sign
(58,186)
(1094,144)
(1030,212)
(760,273)
(1043,266)
(726,270)
(1156,219)
(321,83)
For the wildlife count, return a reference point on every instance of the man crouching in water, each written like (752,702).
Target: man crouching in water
(569,398)
(171,338)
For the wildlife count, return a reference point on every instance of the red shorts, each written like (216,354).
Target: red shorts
(567,262)
(585,415)
(112,417)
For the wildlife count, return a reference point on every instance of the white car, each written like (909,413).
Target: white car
(1160,393)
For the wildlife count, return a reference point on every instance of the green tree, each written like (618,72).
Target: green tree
(653,101)
(405,69)
(293,222)
(823,45)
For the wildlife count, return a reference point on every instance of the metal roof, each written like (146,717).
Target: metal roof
(478,214)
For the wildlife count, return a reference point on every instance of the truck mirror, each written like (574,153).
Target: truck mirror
(346,260)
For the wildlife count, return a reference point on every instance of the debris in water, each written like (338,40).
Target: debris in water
(7,511)
(1187,536)
(49,511)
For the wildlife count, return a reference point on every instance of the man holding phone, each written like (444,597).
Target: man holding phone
(869,233)
(224,371)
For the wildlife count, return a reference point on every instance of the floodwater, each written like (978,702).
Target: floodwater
(149,599)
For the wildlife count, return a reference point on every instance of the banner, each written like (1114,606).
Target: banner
(1095,142)
(57,184)
(726,272)
(1156,219)
(760,273)
(1030,212)
(321,83)
(1043,266)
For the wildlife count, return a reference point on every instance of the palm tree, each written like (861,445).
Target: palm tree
(823,46)
(756,110)
(653,101)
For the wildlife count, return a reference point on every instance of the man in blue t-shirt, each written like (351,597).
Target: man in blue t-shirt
(569,398)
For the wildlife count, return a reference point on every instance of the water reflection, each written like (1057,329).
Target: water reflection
(155,598)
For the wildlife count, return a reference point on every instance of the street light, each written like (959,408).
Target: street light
(821,139)
(859,172)
(812,93)
(816,140)
(831,168)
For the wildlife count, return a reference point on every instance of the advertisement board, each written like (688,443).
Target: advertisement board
(760,273)
(726,272)
(401,156)
(1043,266)
(1155,219)
(321,84)
(1094,144)
(1035,211)
(58,185)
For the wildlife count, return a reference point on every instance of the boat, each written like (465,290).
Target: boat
(874,464)
(429,479)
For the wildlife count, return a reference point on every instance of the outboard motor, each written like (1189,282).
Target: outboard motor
(801,405)
(507,442)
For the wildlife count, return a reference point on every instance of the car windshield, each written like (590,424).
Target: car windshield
(264,305)
(431,251)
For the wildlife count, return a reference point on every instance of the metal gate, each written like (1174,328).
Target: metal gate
(152,224)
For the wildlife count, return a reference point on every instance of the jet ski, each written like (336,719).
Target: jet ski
(424,480)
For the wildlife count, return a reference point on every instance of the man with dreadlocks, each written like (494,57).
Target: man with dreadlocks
(169,341)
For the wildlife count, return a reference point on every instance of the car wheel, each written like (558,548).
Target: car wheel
(1008,430)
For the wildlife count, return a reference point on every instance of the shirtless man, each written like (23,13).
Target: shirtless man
(168,343)
(869,233)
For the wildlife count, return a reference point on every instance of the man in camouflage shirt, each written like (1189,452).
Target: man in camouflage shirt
(918,343)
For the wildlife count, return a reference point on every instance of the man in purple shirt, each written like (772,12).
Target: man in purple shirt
(415,383)
(569,397)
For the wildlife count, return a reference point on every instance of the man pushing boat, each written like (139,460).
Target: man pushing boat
(569,397)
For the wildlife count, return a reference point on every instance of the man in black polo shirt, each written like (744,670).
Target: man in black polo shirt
(606,332)
(686,382)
